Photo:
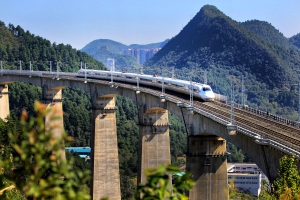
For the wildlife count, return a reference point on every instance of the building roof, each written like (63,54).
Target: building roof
(79,149)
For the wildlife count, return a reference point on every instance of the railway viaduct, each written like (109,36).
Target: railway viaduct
(206,126)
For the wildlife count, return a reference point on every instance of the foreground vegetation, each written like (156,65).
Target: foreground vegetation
(32,161)
(33,167)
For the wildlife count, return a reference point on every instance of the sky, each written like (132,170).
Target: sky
(79,22)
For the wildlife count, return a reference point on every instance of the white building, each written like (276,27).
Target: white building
(110,64)
(247,177)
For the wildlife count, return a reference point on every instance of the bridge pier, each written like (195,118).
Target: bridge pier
(53,100)
(105,161)
(154,140)
(207,162)
(4,101)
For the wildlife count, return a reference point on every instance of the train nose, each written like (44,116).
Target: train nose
(209,96)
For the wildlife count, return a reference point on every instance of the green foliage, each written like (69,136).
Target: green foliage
(236,155)
(158,184)
(38,169)
(77,112)
(287,184)
(22,97)
(288,177)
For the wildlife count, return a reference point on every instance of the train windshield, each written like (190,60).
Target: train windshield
(206,89)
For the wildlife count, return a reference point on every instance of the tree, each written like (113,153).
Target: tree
(158,184)
(37,168)
(288,180)
(287,185)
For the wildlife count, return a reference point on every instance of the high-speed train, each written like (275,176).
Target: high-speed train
(202,91)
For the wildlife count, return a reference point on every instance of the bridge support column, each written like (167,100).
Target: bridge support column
(53,99)
(105,161)
(206,160)
(4,101)
(154,141)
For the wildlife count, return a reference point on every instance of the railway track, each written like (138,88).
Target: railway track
(266,127)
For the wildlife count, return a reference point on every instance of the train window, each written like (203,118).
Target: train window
(142,79)
(177,85)
(206,89)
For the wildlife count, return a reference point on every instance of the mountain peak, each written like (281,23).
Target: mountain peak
(211,11)
(212,39)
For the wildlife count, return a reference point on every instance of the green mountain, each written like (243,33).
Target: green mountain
(295,40)
(102,49)
(111,46)
(228,50)
(213,39)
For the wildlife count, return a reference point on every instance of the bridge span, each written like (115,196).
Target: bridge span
(265,138)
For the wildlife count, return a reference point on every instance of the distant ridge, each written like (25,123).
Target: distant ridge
(295,40)
(102,49)
(267,32)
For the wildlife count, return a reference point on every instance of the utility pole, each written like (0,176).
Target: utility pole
(85,80)
(50,67)
(232,105)
(162,96)
(299,102)
(1,68)
(111,75)
(205,77)
(173,72)
(231,127)
(243,90)
(191,94)
(57,71)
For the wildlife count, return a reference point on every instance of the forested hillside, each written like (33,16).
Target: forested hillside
(228,50)
(17,44)
(267,32)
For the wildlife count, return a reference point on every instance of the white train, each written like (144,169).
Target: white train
(202,91)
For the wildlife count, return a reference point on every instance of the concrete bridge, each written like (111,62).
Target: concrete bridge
(263,137)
